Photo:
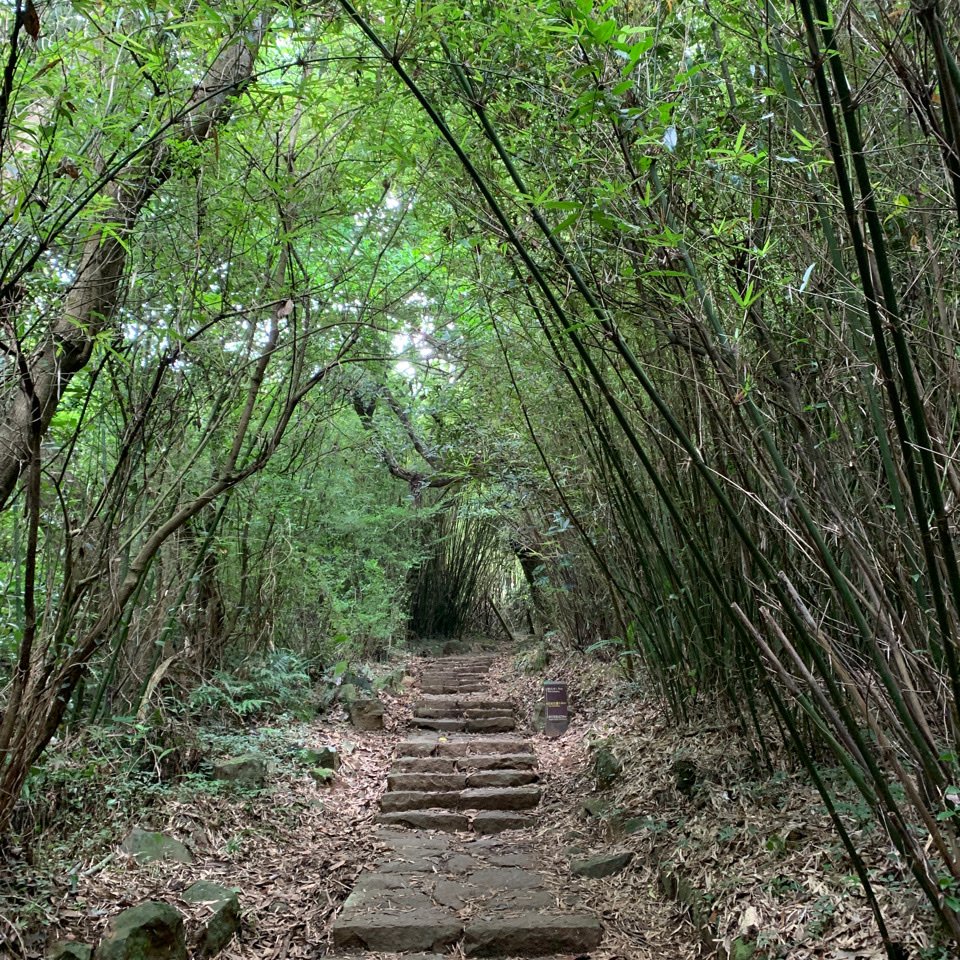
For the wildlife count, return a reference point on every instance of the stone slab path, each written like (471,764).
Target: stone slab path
(457,875)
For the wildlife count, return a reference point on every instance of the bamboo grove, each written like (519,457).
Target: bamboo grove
(684,280)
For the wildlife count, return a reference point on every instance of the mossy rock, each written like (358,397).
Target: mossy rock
(742,949)
(607,768)
(70,950)
(149,931)
(322,775)
(328,757)
(248,770)
(367,714)
(150,846)
(595,807)
(225,922)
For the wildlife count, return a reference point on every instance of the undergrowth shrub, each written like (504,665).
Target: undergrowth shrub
(277,684)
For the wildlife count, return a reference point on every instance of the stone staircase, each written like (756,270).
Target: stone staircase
(456,876)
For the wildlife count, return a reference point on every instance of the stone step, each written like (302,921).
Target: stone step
(486,745)
(425,765)
(531,935)
(429,746)
(397,931)
(452,688)
(496,761)
(502,778)
(460,781)
(464,703)
(472,798)
(399,801)
(445,820)
(457,721)
(458,713)
(432,781)
(483,822)
(500,761)
(496,821)
(491,725)
(516,919)
(473,675)
(452,672)
(421,712)
(500,798)
(472,725)
(429,723)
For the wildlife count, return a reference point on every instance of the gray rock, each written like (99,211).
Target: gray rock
(70,950)
(602,865)
(149,931)
(367,714)
(225,922)
(249,770)
(148,846)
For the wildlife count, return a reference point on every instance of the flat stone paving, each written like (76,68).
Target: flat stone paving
(458,878)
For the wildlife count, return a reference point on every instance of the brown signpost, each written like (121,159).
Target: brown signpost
(557,715)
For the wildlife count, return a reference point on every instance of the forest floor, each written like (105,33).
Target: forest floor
(722,848)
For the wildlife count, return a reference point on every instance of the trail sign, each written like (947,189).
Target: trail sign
(557,715)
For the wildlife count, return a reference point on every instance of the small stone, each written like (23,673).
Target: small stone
(602,865)
(367,714)
(70,950)
(225,922)
(248,770)
(150,846)
(149,931)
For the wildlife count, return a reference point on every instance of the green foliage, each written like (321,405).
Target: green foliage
(277,684)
